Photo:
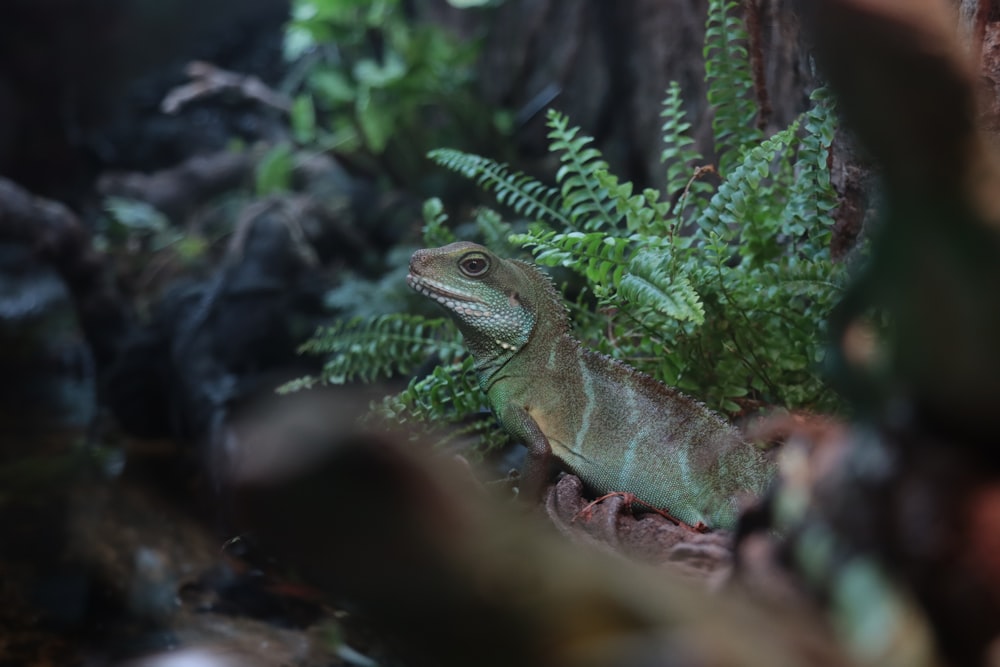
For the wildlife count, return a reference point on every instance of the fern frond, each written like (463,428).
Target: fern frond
(522,193)
(644,213)
(811,197)
(435,232)
(357,295)
(821,282)
(589,206)
(373,348)
(649,289)
(449,394)
(678,154)
(734,202)
(730,85)
(601,258)
(449,397)
(494,230)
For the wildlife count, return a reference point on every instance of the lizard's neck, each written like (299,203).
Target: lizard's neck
(489,358)
(492,356)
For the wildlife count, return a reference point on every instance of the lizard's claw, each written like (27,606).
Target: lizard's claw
(630,499)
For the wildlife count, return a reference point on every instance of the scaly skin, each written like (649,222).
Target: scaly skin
(612,426)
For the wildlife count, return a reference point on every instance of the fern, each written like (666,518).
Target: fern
(643,213)
(734,203)
(494,231)
(714,311)
(370,349)
(580,203)
(587,203)
(812,198)
(450,394)
(523,194)
(360,296)
(435,232)
(730,86)
(678,153)
(656,295)
(730,311)
(600,258)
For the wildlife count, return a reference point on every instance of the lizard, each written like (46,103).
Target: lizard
(617,429)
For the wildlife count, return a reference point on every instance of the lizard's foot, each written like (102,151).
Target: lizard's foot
(630,498)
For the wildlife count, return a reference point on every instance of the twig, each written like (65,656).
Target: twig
(207,79)
(751,17)
(181,189)
(682,202)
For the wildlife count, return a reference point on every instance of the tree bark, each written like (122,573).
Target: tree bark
(608,65)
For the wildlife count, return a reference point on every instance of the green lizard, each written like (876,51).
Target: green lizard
(612,426)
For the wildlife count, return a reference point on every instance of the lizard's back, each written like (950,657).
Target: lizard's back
(632,433)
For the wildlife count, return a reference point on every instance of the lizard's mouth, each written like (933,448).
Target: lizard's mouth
(456,301)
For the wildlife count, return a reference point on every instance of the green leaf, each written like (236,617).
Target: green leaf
(730,84)
(136,215)
(191,248)
(333,87)
(375,122)
(274,171)
(303,118)
(371,74)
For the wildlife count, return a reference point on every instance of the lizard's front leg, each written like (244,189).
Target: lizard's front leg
(535,472)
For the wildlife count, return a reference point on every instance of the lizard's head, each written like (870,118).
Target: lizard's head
(496,302)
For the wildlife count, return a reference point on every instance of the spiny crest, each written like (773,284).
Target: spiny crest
(547,291)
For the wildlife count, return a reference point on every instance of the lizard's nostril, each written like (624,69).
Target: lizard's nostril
(418,260)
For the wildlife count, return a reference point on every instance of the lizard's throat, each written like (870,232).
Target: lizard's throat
(488,361)
(486,348)
(492,348)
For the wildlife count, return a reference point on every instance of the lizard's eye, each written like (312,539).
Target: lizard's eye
(474,264)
